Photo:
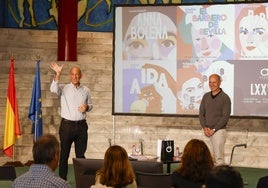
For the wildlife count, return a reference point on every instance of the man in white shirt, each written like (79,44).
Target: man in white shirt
(75,102)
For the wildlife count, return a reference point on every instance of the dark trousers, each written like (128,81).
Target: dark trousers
(71,131)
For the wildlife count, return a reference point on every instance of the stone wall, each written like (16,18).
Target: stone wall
(95,60)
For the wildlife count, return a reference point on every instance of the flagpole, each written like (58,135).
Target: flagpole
(35,126)
(35,112)
(13,154)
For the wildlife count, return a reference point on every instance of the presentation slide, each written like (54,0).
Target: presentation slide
(164,55)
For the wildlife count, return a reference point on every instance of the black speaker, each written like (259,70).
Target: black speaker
(167,150)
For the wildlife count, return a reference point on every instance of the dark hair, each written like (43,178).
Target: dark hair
(117,170)
(224,176)
(196,161)
(45,149)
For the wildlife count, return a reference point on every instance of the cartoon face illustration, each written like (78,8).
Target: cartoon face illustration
(206,46)
(207,30)
(150,97)
(191,94)
(150,36)
(253,33)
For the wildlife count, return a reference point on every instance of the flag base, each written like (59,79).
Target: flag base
(29,163)
(14,163)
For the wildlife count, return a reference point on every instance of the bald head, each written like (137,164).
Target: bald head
(77,69)
(215,76)
(75,76)
(214,83)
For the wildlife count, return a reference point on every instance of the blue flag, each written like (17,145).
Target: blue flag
(35,112)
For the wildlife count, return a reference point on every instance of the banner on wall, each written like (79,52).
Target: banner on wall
(94,15)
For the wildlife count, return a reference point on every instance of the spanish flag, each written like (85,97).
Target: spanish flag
(12,125)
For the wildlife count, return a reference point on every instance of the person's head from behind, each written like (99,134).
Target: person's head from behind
(196,161)
(46,151)
(117,170)
(196,151)
(224,176)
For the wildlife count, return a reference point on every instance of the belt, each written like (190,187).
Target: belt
(74,122)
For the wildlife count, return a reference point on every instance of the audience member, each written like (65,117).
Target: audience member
(41,175)
(224,176)
(117,171)
(263,182)
(196,163)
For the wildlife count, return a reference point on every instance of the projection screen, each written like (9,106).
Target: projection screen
(163,56)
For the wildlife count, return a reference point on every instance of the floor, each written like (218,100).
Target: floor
(250,175)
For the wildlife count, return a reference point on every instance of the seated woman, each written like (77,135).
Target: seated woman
(117,171)
(196,163)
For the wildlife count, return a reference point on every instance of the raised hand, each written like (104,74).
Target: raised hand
(57,68)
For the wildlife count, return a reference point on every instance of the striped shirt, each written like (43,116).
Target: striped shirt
(40,176)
